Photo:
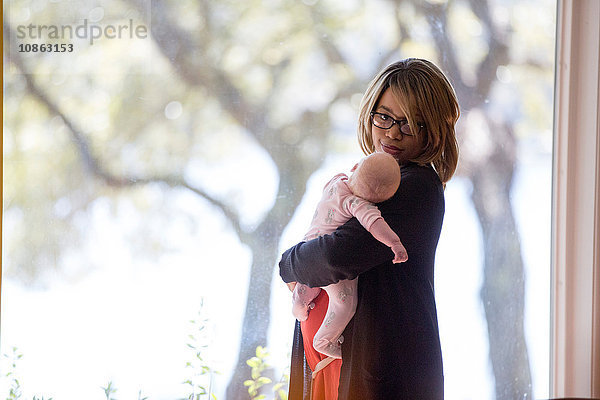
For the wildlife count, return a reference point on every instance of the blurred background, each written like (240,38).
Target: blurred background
(154,174)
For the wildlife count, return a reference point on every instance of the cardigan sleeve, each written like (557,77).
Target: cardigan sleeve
(342,255)
(351,250)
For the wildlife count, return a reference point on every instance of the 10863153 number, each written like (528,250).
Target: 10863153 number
(46,48)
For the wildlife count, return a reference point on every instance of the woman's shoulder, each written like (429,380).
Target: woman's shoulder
(420,178)
(420,189)
(424,170)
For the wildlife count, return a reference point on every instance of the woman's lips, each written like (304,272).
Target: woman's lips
(393,150)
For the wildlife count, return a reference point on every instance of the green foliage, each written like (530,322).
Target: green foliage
(109,390)
(199,381)
(280,389)
(258,364)
(14,392)
(140,396)
(200,369)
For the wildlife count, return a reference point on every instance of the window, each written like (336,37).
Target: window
(155,171)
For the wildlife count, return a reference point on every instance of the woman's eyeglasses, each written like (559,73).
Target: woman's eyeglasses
(384,121)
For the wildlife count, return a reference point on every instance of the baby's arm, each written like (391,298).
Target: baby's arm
(382,232)
(369,216)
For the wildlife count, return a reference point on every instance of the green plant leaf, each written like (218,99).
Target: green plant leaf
(264,380)
(283,395)
(253,362)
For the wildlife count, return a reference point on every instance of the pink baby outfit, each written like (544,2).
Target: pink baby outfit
(337,205)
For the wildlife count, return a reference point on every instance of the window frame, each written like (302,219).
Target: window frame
(575,287)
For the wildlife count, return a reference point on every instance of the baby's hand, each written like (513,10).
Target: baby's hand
(291,286)
(400,254)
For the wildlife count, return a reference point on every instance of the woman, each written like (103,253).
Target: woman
(391,348)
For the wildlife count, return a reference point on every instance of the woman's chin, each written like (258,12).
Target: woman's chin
(396,153)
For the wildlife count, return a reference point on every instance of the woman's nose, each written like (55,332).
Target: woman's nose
(394,133)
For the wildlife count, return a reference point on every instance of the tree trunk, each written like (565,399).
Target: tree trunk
(257,314)
(503,290)
(294,167)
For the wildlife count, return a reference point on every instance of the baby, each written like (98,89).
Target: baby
(374,179)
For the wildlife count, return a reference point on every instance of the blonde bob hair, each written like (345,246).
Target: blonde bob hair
(426,96)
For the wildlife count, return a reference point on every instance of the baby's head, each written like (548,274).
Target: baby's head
(375,178)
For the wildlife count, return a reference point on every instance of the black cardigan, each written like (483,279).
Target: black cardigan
(391,348)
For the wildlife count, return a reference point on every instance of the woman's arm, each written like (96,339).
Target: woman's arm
(413,212)
(344,254)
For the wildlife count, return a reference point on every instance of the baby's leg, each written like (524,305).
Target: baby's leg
(341,308)
(302,298)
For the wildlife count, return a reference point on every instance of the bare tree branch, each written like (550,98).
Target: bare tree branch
(178,47)
(95,165)
(332,53)
(404,36)
(438,24)
(498,49)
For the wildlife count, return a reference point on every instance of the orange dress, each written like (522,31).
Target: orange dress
(325,384)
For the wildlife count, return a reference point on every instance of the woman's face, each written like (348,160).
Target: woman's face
(402,147)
